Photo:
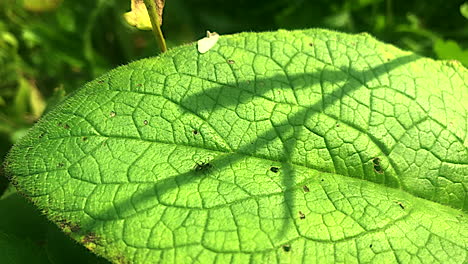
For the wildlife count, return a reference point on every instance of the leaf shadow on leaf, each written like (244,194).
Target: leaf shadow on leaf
(222,161)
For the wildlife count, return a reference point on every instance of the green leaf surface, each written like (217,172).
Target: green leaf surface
(288,146)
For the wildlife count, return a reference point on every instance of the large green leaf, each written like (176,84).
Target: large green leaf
(301,146)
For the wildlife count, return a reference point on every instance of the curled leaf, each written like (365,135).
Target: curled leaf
(139,16)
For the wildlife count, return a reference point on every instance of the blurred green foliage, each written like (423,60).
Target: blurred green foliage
(48,48)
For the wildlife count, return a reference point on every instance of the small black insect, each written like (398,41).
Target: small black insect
(203,166)
(301,215)
(274,169)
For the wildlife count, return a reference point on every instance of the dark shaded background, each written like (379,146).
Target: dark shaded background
(48,48)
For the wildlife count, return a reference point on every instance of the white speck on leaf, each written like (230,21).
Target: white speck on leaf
(208,42)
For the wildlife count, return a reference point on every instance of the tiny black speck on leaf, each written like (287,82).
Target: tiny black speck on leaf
(66,126)
(377,166)
(84,138)
(145,122)
(101,81)
(311,44)
(401,205)
(60,165)
(301,215)
(370,245)
(274,169)
(195,132)
(286,248)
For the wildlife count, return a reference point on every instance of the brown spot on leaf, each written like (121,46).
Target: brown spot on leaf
(122,260)
(231,61)
(67,226)
(139,85)
(305,188)
(90,238)
(66,126)
(101,81)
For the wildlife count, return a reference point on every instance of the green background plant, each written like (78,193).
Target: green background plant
(45,54)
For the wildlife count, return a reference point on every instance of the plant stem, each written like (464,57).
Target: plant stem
(154,17)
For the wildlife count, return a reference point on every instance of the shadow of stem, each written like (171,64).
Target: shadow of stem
(238,153)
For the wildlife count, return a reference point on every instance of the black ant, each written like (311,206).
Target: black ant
(202,166)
